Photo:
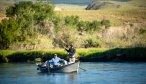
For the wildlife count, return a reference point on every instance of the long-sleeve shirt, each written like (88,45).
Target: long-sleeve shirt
(55,61)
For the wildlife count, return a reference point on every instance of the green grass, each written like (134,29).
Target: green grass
(29,55)
(35,55)
(90,54)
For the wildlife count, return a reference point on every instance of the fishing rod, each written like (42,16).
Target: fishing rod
(82,69)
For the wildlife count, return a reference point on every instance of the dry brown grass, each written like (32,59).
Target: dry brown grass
(116,16)
(2,16)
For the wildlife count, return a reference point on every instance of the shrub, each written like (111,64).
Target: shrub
(142,31)
(71,20)
(93,43)
(89,26)
(94,25)
(105,23)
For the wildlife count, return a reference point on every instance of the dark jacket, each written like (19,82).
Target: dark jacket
(71,51)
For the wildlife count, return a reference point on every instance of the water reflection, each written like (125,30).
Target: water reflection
(101,73)
(71,76)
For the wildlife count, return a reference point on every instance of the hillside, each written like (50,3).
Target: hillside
(118,17)
(83,28)
(4,5)
(119,13)
(102,5)
(108,4)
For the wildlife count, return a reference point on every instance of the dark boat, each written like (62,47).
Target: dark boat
(62,69)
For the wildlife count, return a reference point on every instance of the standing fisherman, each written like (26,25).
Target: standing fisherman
(71,52)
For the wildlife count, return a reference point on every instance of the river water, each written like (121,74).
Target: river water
(96,73)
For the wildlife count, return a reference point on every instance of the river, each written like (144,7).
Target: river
(96,73)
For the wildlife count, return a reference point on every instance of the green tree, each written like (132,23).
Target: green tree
(27,19)
(9,31)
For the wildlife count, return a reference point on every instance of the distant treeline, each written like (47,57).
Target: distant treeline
(85,55)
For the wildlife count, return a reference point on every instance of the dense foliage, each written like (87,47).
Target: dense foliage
(25,22)
(9,32)
(32,25)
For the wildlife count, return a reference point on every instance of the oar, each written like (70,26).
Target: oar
(82,69)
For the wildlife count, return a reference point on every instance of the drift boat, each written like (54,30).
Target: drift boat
(73,67)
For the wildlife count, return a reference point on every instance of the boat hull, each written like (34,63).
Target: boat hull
(64,69)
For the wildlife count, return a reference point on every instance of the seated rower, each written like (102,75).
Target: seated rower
(55,61)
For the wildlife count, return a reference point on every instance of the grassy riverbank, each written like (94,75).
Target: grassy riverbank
(86,55)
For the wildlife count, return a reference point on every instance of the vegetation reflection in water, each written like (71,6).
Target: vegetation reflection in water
(101,72)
